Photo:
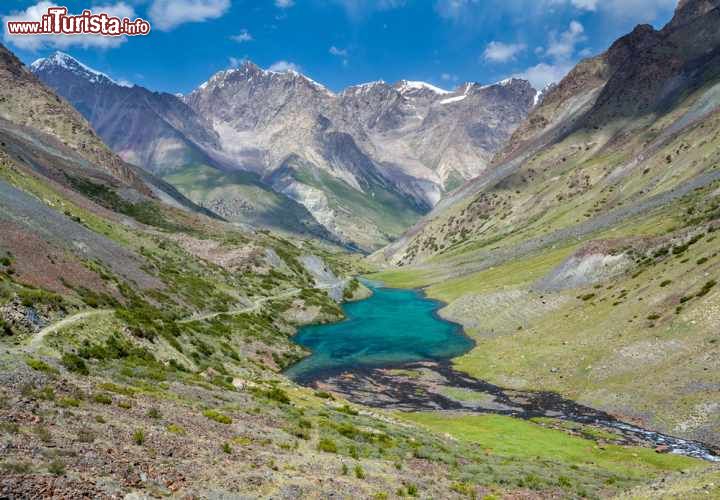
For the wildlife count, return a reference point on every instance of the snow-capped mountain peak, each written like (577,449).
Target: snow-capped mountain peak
(405,86)
(66,62)
(249,70)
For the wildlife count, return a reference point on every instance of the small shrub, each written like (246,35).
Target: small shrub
(701,261)
(347,410)
(665,283)
(359,472)
(138,437)
(47,393)
(327,445)
(15,467)
(344,470)
(42,433)
(323,395)
(154,413)
(103,399)
(412,490)
(68,403)
(653,317)
(217,416)
(99,419)
(125,404)
(86,435)
(175,429)
(274,394)
(565,482)
(74,363)
(706,288)
(41,366)
(466,489)
(56,467)
(226,448)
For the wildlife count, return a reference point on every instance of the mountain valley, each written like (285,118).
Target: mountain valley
(267,289)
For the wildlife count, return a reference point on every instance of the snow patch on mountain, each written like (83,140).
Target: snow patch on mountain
(65,61)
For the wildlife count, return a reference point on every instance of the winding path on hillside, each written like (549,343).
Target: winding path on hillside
(37,339)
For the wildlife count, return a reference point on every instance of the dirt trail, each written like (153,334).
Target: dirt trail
(255,305)
(37,339)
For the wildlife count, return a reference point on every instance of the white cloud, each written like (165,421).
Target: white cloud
(281,66)
(543,74)
(169,14)
(637,11)
(561,50)
(36,42)
(284,4)
(338,52)
(448,77)
(590,5)
(235,62)
(502,52)
(357,9)
(562,46)
(243,36)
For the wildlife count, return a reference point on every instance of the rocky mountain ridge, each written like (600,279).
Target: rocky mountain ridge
(384,154)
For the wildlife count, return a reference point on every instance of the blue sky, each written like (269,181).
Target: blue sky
(345,42)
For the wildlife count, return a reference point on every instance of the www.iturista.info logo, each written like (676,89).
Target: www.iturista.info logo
(57,21)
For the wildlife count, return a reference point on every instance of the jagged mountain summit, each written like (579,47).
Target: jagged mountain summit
(364,163)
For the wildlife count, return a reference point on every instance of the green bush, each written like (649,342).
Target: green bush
(175,429)
(274,394)
(5,328)
(56,467)
(359,472)
(74,363)
(40,365)
(139,437)
(68,403)
(226,448)
(16,467)
(154,413)
(706,288)
(327,445)
(217,416)
(103,399)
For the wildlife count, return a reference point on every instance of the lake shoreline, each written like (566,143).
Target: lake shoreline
(426,385)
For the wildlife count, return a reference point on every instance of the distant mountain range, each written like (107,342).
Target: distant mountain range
(280,150)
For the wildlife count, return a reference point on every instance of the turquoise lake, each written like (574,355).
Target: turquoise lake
(391,327)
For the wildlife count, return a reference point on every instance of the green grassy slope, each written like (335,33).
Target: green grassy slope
(241,197)
(603,340)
